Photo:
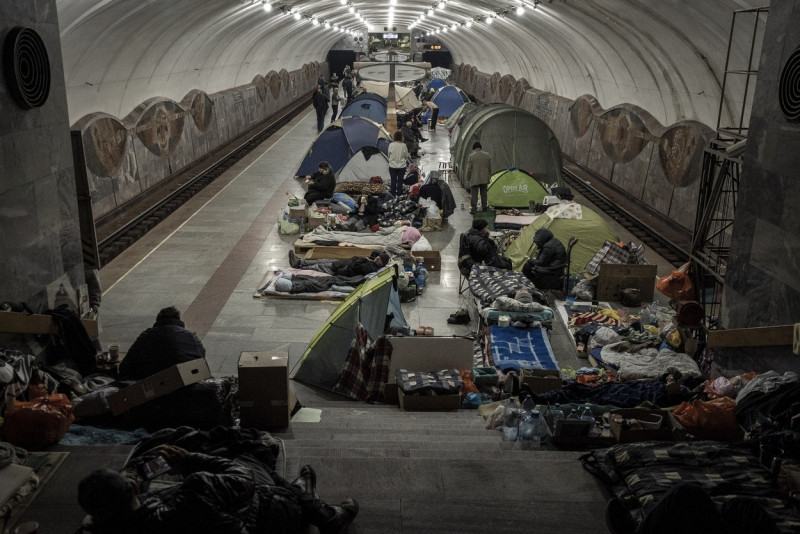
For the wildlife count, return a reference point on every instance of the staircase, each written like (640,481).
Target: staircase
(419,472)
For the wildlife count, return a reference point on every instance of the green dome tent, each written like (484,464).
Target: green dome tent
(513,137)
(514,188)
(591,230)
(452,120)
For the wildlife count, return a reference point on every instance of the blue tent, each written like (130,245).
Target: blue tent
(369,105)
(337,143)
(435,84)
(449,98)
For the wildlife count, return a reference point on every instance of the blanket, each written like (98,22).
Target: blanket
(267,288)
(646,362)
(515,349)
(383,237)
(639,474)
(487,283)
(366,368)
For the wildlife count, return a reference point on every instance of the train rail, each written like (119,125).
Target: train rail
(119,229)
(657,232)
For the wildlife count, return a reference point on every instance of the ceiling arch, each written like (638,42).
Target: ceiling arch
(666,57)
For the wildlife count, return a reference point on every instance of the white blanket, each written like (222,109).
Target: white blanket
(383,237)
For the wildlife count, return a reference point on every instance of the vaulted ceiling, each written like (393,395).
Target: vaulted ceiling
(667,56)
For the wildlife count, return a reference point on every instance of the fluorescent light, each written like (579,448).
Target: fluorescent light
(296,15)
(441,5)
(520,10)
(266,5)
(469,23)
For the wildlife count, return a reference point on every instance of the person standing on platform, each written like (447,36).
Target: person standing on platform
(478,173)
(321,184)
(320,101)
(398,159)
(347,87)
(335,99)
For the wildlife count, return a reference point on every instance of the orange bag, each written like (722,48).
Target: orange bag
(714,419)
(35,425)
(469,383)
(677,285)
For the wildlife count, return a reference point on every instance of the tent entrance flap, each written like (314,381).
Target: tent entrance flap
(371,303)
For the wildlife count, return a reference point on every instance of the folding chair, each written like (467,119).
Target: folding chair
(465,266)
(572,242)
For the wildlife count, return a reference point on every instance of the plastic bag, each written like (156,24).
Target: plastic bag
(37,424)
(584,290)
(714,419)
(677,285)
(469,383)
(603,336)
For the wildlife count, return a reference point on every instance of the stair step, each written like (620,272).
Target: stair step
(485,454)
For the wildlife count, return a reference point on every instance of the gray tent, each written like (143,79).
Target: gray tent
(513,137)
(365,164)
(371,303)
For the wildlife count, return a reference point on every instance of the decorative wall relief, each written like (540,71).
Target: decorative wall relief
(680,151)
(520,88)
(261,87)
(623,135)
(284,74)
(160,127)
(274,83)
(506,86)
(494,82)
(202,109)
(104,143)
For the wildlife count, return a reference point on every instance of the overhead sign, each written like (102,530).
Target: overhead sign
(387,56)
(391,72)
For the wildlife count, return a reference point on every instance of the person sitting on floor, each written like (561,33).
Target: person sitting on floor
(688,509)
(321,184)
(165,344)
(217,495)
(482,248)
(546,270)
(355,266)
(364,215)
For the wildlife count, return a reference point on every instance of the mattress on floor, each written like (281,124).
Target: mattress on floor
(267,288)
(517,348)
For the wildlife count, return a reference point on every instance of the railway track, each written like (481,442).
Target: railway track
(659,233)
(121,228)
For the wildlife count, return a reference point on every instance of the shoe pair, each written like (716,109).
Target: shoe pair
(307,481)
(460,317)
(423,139)
(425,331)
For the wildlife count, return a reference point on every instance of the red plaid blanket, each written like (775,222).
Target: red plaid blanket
(366,368)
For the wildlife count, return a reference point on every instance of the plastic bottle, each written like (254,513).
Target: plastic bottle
(644,316)
(528,405)
(606,431)
(510,421)
(422,275)
(62,297)
(654,313)
(573,415)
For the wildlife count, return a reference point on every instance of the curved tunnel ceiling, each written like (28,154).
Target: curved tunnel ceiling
(667,57)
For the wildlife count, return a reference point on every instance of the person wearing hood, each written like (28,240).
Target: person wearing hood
(546,270)
(167,343)
(482,248)
(321,184)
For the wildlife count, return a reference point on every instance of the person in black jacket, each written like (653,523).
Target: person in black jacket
(320,101)
(355,266)
(321,184)
(364,215)
(481,248)
(546,270)
(167,343)
(217,495)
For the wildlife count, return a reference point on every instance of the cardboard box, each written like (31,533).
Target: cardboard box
(431,258)
(614,278)
(569,434)
(424,354)
(313,222)
(429,403)
(159,384)
(637,432)
(541,380)
(265,400)
(296,212)
(337,253)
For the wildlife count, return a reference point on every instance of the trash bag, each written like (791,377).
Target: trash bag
(677,285)
(35,425)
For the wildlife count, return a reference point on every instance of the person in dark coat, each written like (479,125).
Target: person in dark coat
(546,270)
(347,87)
(355,266)
(320,101)
(217,495)
(321,184)
(481,248)
(167,343)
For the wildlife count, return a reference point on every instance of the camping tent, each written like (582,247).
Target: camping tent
(366,163)
(405,97)
(451,122)
(435,84)
(590,229)
(449,98)
(378,88)
(514,188)
(513,137)
(340,140)
(370,303)
(369,105)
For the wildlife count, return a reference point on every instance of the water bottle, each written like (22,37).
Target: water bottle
(644,316)
(528,405)
(573,415)
(541,429)
(510,421)
(557,414)
(422,275)
(530,431)
(654,313)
